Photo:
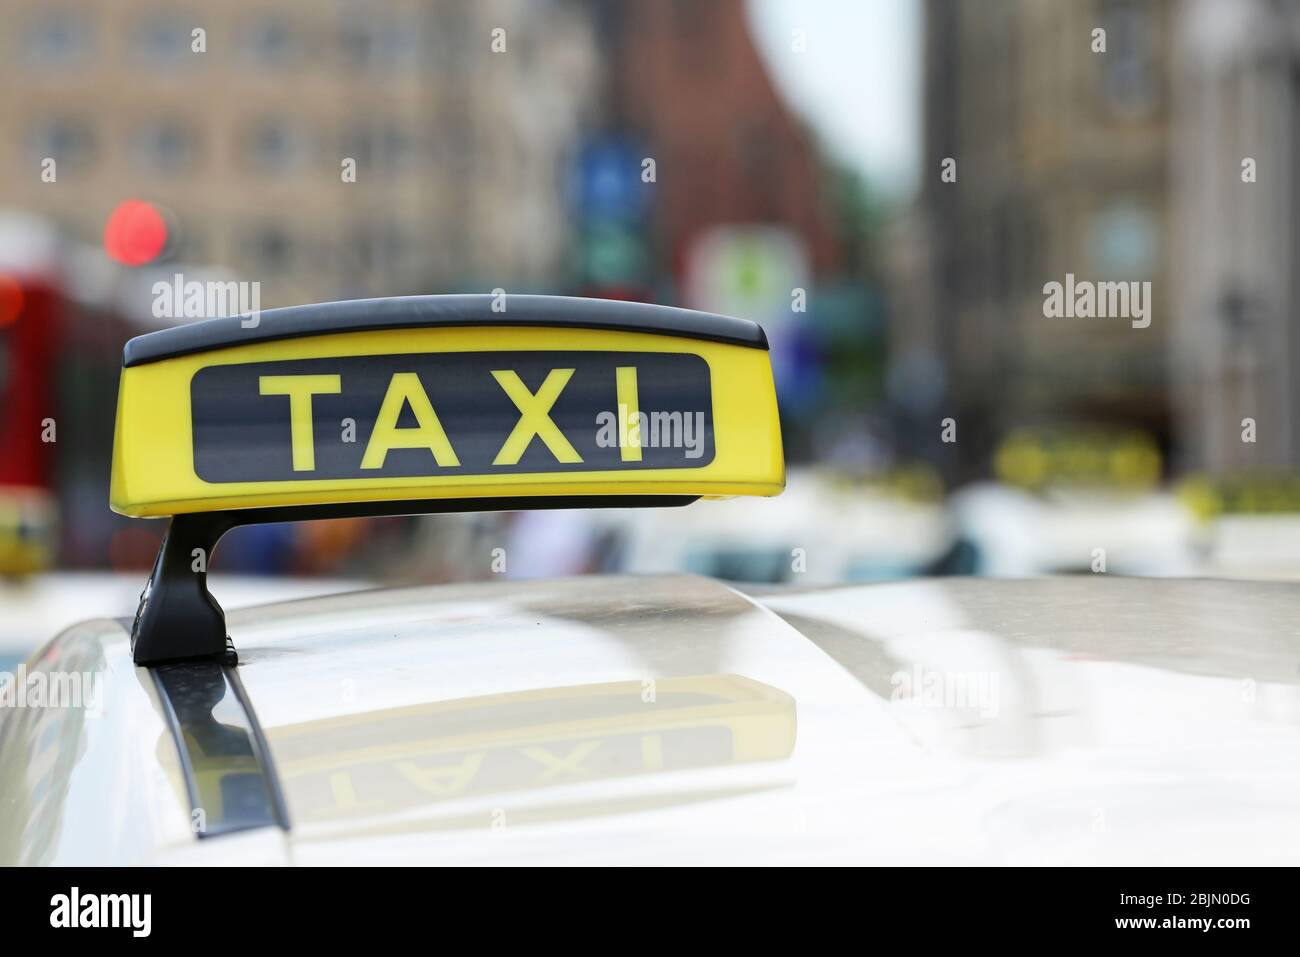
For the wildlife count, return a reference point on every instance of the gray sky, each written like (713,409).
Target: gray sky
(858,81)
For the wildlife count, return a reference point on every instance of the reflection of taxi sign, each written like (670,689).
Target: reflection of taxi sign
(421,404)
(529,739)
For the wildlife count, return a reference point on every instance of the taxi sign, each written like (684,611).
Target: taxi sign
(1087,456)
(1244,493)
(466,415)
(427,404)
(441,397)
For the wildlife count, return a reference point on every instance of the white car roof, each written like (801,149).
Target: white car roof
(675,720)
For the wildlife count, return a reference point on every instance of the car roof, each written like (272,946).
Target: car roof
(454,701)
(675,719)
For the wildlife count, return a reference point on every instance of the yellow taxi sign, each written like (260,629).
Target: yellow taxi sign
(1244,493)
(444,398)
(1089,456)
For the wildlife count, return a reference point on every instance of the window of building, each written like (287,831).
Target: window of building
(1129,70)
(445,29)
(69,141)
(1124,240)
(456,145)
(373,249)
(58,38)
(275,144)
(379,144)
(166,146)
(379,40)
(271,43)
(165,39)
(269,249)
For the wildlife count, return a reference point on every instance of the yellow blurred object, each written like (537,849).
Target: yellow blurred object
(1255,493)
(913,482)
(28,527)
(1036,458)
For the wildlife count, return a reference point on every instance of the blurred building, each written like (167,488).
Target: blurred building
(1236,152)
(1061,163)
(459,149)
(743,208)
(688,87)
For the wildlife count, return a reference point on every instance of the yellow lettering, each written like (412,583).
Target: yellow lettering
(405,388)
(629,413)
(441,781)
(567,766)
(300,389)
(345,794)
(652,752)
(534,417)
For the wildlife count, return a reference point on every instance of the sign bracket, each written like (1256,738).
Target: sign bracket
(179,619)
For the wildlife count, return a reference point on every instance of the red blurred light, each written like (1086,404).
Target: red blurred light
(11,299)
(135,233)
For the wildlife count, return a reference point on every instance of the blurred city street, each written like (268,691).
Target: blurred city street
(1031,304)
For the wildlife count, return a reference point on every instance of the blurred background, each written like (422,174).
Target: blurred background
(935,421)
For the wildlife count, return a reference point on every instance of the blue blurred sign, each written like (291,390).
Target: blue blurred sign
(607,181)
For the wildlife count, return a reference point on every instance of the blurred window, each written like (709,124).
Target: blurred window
(455,147)
(378,40)
(270,248)
(380,247)
(380,144)
(271,43)
(446,29)
(166,146)
(374,252)
(70,141)
(1124,240)
(164,39)
(1129,75)
(275,144)
(355,42)
(60,38)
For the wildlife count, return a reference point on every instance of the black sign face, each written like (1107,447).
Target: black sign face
(466,413)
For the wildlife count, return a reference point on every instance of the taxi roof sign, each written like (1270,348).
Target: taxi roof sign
(427,404)
(441,397)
